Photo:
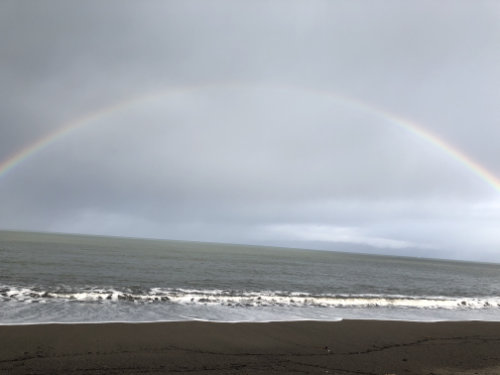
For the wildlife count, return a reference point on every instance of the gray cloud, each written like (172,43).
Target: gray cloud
(256,144)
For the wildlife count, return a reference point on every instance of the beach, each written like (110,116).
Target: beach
(72,304)
(345,347)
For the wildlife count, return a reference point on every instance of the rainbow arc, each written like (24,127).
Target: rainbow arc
(21,156)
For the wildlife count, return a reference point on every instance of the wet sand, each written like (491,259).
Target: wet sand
(348,347)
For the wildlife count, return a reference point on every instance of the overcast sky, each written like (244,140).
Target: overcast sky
(255,122)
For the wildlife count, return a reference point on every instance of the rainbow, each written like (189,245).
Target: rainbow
(414,128)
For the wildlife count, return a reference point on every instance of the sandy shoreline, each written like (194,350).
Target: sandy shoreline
(347,347)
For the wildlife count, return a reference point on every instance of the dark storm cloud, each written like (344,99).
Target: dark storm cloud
(244,163)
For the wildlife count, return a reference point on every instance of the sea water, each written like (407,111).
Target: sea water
(72,278)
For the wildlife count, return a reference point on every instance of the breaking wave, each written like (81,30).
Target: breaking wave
(239,298)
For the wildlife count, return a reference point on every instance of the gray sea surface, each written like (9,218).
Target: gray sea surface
(76,278)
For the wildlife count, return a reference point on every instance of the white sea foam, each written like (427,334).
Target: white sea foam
(231,298)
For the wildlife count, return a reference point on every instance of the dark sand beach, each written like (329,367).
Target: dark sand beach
(347,347)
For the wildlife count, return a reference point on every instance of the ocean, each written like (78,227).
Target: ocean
(73,278)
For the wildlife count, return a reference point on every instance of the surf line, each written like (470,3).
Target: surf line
(410,126)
